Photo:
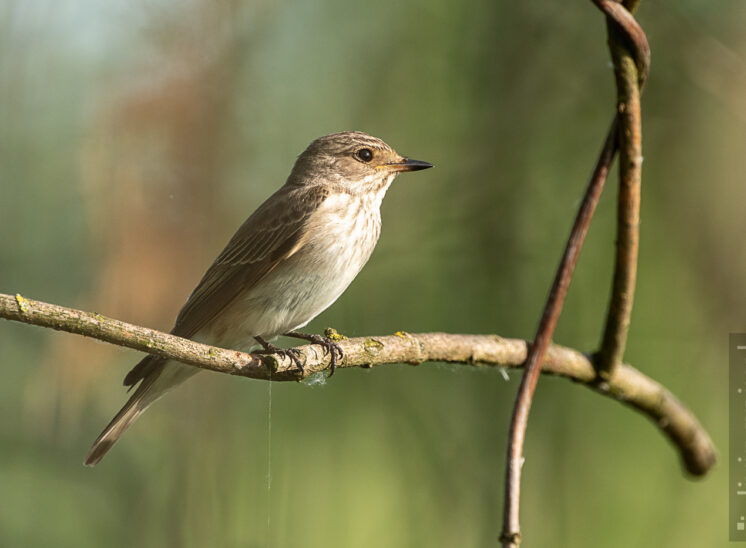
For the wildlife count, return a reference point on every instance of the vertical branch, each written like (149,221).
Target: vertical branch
(511,533)
(629,80)
(626,29)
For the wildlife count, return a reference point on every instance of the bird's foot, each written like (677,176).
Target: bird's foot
(268,348)
(330,347)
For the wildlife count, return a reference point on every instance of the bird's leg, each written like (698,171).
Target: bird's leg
(269,348)
(329,347)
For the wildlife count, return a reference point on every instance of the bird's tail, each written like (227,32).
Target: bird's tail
(152,387)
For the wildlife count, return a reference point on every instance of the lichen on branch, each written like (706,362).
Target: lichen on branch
(628,385)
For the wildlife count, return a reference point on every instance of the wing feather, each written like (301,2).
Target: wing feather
(272,233)
(262,242)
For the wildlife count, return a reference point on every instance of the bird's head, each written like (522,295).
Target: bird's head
(357,161)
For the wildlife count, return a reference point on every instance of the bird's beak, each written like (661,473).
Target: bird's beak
(407,164)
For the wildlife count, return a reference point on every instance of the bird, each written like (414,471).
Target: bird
(288,262)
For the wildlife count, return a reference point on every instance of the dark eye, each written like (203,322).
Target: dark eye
(365,155)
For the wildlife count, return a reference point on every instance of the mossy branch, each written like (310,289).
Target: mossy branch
(628,385)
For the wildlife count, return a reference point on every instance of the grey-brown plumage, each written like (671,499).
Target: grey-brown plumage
(289,261)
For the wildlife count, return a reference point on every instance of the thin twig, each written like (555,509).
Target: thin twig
(511,533)
(629,386)
(631,59)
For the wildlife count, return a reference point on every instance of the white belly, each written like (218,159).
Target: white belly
(341,239)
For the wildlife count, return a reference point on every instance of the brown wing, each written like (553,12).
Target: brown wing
(268,236)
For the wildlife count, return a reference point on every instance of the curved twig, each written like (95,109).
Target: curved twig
(630,54)
(628,386)
(626,29)
(511,533)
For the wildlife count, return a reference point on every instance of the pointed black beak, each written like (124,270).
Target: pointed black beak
(409,165)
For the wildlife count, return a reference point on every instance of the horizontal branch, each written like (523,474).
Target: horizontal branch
(628,385)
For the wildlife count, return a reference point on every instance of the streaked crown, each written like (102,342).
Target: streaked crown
(355,160)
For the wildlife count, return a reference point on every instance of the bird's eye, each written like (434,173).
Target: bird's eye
(365,155)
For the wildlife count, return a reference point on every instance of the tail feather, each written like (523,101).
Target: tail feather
(145,367)
(161,377)
(137,403)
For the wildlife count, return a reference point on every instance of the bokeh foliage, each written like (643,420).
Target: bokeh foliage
(135,137)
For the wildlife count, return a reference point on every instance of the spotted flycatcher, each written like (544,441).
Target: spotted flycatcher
(289,261)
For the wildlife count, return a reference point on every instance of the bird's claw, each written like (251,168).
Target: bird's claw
(335,352)
(327,343)
(293,354)
(331,348)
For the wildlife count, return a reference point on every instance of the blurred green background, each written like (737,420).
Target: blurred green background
(136,136)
